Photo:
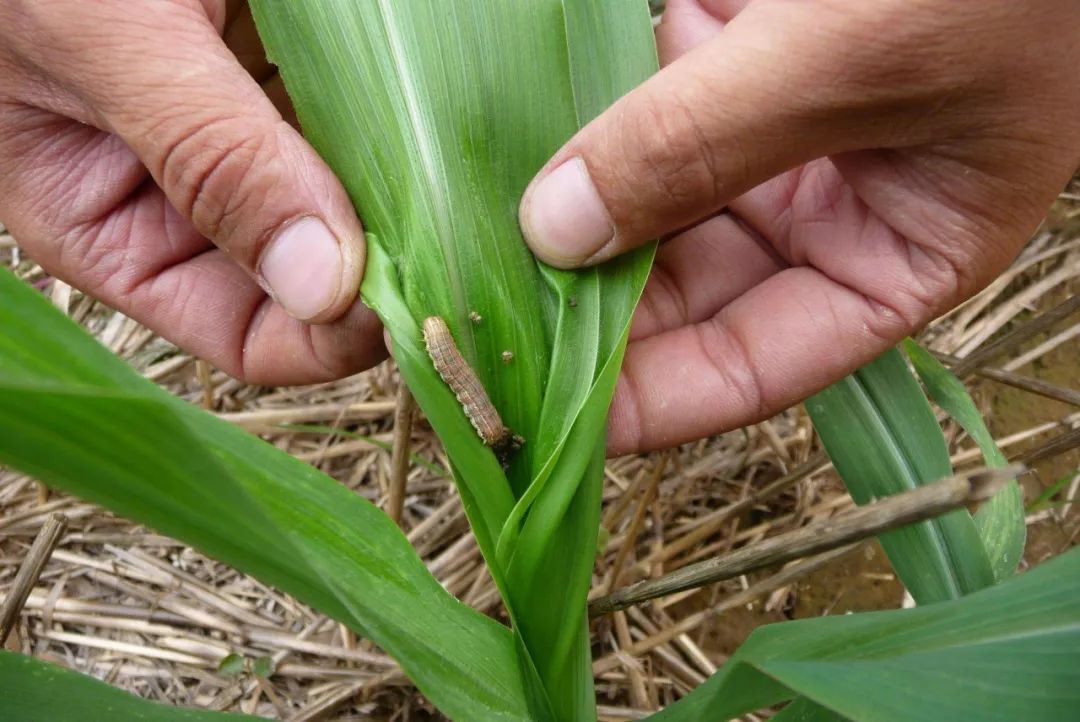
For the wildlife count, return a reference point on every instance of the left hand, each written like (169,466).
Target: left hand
(832,175)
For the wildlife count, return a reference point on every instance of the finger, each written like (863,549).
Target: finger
(857,287)
(685,25)
(724,10)
(780,342)
(246,334)
(759,98)
(699,272)
(182,287)
(215,144)
(77,199)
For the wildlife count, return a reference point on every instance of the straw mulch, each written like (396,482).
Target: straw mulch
(150,615)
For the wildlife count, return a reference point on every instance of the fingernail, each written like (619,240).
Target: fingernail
(302,267)
(563,218)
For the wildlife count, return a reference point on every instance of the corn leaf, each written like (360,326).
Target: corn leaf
(35,691)
(1009,652)
(881,434)
(1000,520)
(78,418)
(436,115)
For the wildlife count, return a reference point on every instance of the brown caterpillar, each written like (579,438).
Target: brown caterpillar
(465,384)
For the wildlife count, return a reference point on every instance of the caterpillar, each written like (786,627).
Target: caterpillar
(470,393)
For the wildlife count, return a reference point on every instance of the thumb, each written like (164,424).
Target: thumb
(757,99)
(227,161)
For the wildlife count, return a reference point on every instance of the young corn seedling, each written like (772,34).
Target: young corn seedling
(512,361)
(435,115)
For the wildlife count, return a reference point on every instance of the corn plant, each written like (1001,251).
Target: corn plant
(435,115)
(439,184)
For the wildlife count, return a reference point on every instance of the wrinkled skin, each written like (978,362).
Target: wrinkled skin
(828,175)
(142,162)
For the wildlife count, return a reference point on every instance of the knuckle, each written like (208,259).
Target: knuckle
(313,354)
(939,279)
(665,142)
(96,257)
(886,323)
(627,422)
(663,304)
(669,147)
(734,365)
(217,175)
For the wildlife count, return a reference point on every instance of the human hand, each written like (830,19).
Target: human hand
(141,162)
(833,174)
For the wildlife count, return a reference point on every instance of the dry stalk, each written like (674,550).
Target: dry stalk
(205,374)
(1019,381)
(781,579)
(861,523)
(639,518)
(399,457)
(710,524)
(1017,336)
(1060,444)
(29,571)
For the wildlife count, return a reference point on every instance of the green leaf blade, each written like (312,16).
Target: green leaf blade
(79,419)
(1008,652)
(883,438)
(35,691)
(1000,520)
